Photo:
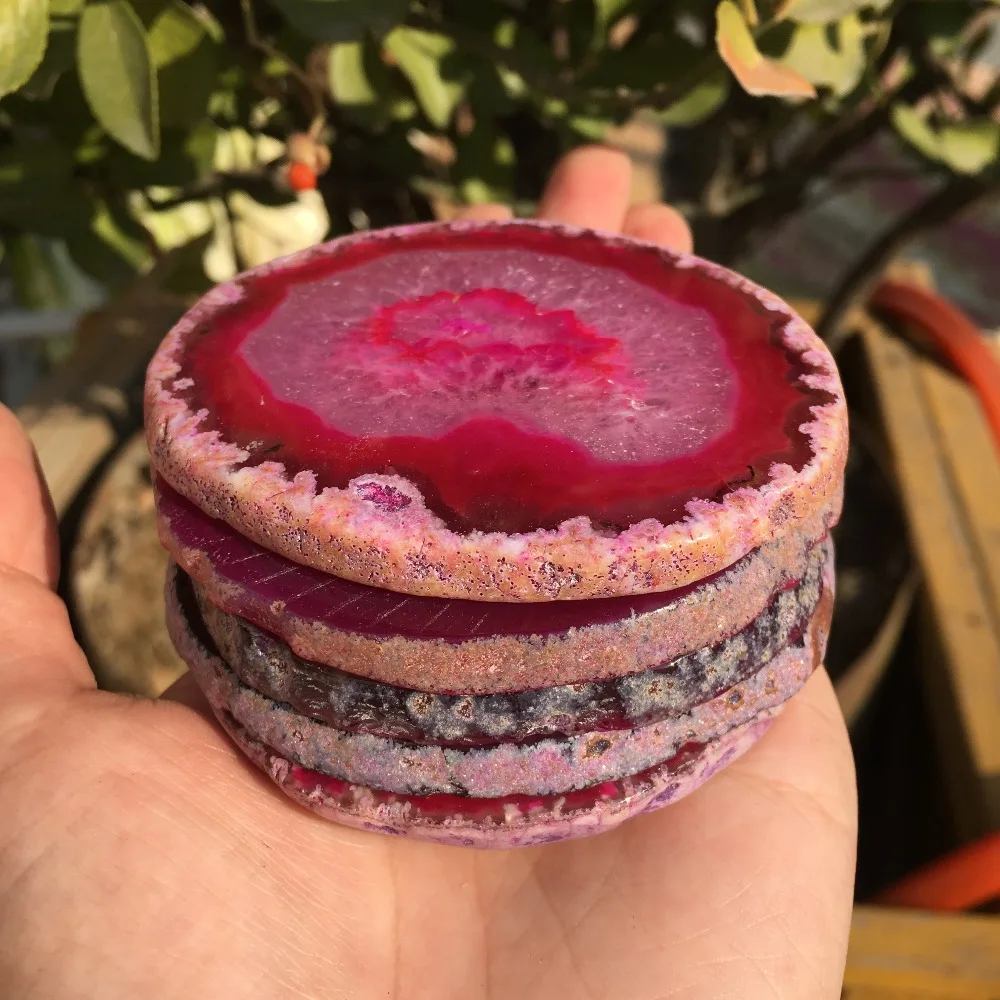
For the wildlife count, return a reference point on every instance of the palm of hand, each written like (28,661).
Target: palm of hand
(141,855)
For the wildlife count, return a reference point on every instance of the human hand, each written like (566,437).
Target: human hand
(142,856)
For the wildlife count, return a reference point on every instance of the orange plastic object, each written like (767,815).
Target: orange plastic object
(962,880)
(955,335)
(970,876)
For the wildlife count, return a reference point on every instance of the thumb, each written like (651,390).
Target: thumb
(29,540)
(38,655)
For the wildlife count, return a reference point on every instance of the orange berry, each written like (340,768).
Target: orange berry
(301,177)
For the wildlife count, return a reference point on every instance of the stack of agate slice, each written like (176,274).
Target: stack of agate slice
(495,533)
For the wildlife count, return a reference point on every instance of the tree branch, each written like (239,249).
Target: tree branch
(955,197)
(255,41)
(784,192)
(658,98)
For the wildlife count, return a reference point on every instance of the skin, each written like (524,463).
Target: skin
(140,855)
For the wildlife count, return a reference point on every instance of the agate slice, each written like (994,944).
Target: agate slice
(506,795)
(495,534)
(500,412)
(473,647)
(359,705)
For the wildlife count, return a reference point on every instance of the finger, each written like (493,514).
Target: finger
(485,212)
(658,223)
(38,655)
(589,187)
(28,534)
(797,789)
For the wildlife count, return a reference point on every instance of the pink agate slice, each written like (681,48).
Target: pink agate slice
(254,577)
(516,379)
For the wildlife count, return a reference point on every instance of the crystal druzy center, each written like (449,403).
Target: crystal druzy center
(516,379)
(486,351)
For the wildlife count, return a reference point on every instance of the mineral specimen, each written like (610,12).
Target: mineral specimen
(495,533)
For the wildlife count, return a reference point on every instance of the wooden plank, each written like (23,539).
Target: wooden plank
(964,681)
(972,459)
(903,954)
(857,685)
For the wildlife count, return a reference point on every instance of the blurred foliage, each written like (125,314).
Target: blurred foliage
(130,128)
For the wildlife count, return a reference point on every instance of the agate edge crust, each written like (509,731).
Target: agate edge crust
(356,704)
(508,821)
(338,531)
(700,616)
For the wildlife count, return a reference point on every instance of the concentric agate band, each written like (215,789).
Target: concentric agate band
(495,534)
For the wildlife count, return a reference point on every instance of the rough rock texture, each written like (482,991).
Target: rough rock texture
(504,796)
(511,821)
(469,647)
(356,704)
(693,418)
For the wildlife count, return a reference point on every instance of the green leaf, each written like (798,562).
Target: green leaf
(104,249)
(699,103)
(364,87)
(829,55)
(967,147)
(24,30)
(65,8)
(591,129)
(821,11)
(148,10)
(418,55)
(175,33)
(60,55)
(484,165)
(608,11)
(915,130)
(118,76)
(39,282)
(348,81)
(970,147)
(342,20)
(756,74)
(199,147)
(185,58)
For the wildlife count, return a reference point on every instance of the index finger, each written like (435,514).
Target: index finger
(589,187)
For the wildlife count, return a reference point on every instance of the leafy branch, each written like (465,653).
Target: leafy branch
(314,93)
